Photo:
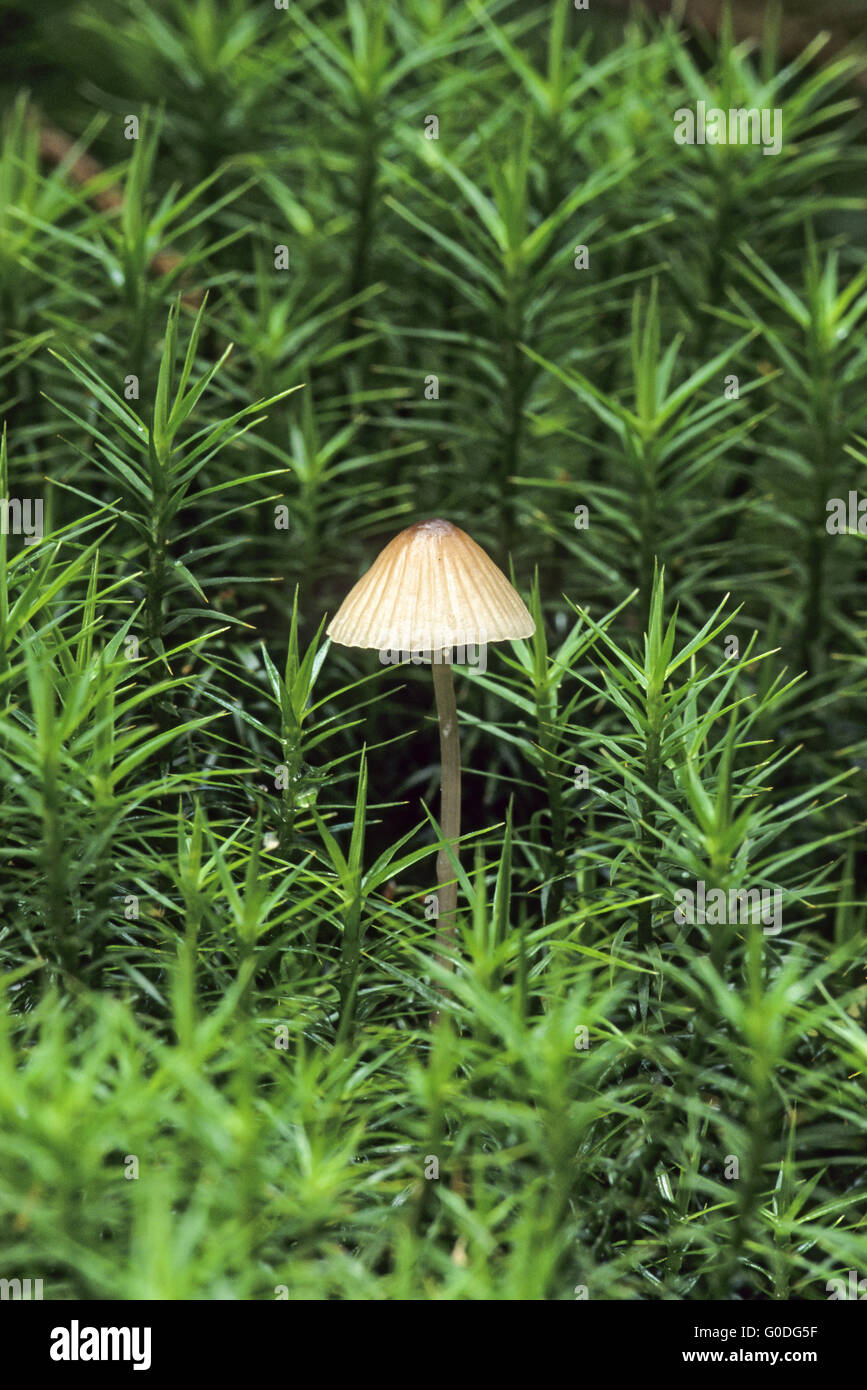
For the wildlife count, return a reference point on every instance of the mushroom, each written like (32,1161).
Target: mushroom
(428,596)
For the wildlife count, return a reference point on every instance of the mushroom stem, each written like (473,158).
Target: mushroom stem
(450,799)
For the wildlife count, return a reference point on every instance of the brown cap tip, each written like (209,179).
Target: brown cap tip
(431,587)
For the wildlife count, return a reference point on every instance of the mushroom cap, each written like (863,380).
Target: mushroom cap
(431,587)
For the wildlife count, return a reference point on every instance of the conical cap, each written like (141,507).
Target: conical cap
(431,587)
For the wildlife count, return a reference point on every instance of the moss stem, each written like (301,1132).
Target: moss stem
(450,800)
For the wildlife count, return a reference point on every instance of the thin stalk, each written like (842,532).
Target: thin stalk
(825,445)
(155,579)
(758,1122)
(365,216)
(289,799)
(655,714)
(546,717)
(57,914)
(351,956)
(516,377)
(450,800)
(648,550)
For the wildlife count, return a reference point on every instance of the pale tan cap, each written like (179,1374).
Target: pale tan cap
(431,587)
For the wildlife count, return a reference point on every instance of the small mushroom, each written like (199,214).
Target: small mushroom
(429,595)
